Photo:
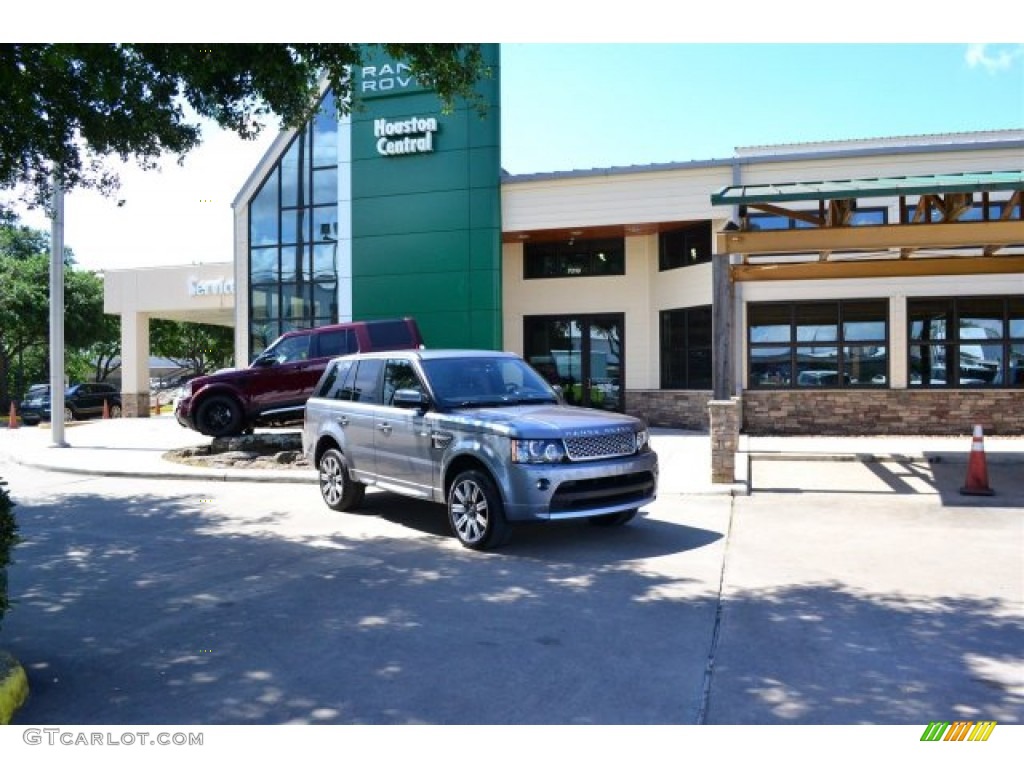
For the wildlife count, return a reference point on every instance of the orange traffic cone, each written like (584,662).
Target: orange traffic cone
(977,469)
(12,420)
(106,409)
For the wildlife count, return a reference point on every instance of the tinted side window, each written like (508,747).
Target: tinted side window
(337,383)
(389,334)
(367,381)
(337,342)
(399,374)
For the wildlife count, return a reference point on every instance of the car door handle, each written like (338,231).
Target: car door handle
(385,428)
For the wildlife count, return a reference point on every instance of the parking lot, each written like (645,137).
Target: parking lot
(837,592)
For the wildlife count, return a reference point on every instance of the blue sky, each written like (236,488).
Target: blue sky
(571,106)
(582,106)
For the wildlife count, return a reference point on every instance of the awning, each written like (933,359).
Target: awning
(891,186)
(932,236)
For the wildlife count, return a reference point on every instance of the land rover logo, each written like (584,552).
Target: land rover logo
(386,78)
(405,137)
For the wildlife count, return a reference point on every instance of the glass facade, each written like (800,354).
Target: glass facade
(966,341)
(818,344)
(583,354)
(293,235)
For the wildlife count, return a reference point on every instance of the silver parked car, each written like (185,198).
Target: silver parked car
(481,432)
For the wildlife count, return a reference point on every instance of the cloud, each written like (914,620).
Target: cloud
(993,60)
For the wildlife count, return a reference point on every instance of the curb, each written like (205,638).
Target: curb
(13,687)
(266,476)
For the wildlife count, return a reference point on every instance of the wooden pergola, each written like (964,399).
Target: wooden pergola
(952,224)
(938,231)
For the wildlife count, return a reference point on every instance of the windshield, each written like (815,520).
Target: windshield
(480,381)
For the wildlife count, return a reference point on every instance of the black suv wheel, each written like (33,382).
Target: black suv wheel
(219,416)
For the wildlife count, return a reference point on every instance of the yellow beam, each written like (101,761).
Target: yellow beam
(834,270)
(885,237)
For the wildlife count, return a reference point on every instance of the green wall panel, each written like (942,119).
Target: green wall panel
(426,227)
(419,252)
(418,174)
(438,211)
(485,208)
(483,294)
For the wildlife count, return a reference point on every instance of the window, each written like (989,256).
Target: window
(337,383)
(367,382)
(976,212)
(686,349)
(684,247)
(293,235)
(390,334)
(293,349)
(860,217)
(575,258)
(335,343)
(399,374)
(818,344)
(966,341)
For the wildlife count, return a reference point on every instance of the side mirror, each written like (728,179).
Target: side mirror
(559,392)
(410,398)
(264,362)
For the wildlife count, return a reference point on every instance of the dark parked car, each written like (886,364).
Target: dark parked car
(81,401)
(280,380)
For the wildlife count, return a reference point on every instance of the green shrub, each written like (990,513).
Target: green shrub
(8,538)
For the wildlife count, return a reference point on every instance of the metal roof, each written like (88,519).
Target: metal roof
(893,186)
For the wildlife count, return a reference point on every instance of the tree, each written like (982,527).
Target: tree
(198,347)
(70,105)
(25,302)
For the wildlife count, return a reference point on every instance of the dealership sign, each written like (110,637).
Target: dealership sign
(405,137)
(386,79)
(218,287)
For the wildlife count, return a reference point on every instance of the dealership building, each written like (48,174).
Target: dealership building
(848,287)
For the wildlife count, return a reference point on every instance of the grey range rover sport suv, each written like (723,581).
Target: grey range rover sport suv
(481,432)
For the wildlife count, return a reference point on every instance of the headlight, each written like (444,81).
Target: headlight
(643,441)
(537,451)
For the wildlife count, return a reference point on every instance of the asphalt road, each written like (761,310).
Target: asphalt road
(883,597)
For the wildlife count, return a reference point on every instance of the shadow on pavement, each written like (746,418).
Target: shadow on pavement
(158,609)
(829,655)
(571,539)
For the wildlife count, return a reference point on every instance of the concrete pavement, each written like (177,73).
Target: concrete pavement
(136,448)
(853,585)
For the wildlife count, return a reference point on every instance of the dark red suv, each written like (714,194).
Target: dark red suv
(278,383)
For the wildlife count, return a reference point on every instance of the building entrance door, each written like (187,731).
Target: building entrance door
(583,354)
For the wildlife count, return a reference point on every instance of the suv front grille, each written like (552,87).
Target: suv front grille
(600,447)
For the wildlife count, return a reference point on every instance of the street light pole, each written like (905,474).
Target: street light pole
(57,315)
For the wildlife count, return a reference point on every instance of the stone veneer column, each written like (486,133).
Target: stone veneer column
(135,404)
(724,418)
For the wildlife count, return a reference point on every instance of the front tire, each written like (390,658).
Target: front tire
(69,414)
(115,411)
(476,512)
(340,492)
(219,416)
